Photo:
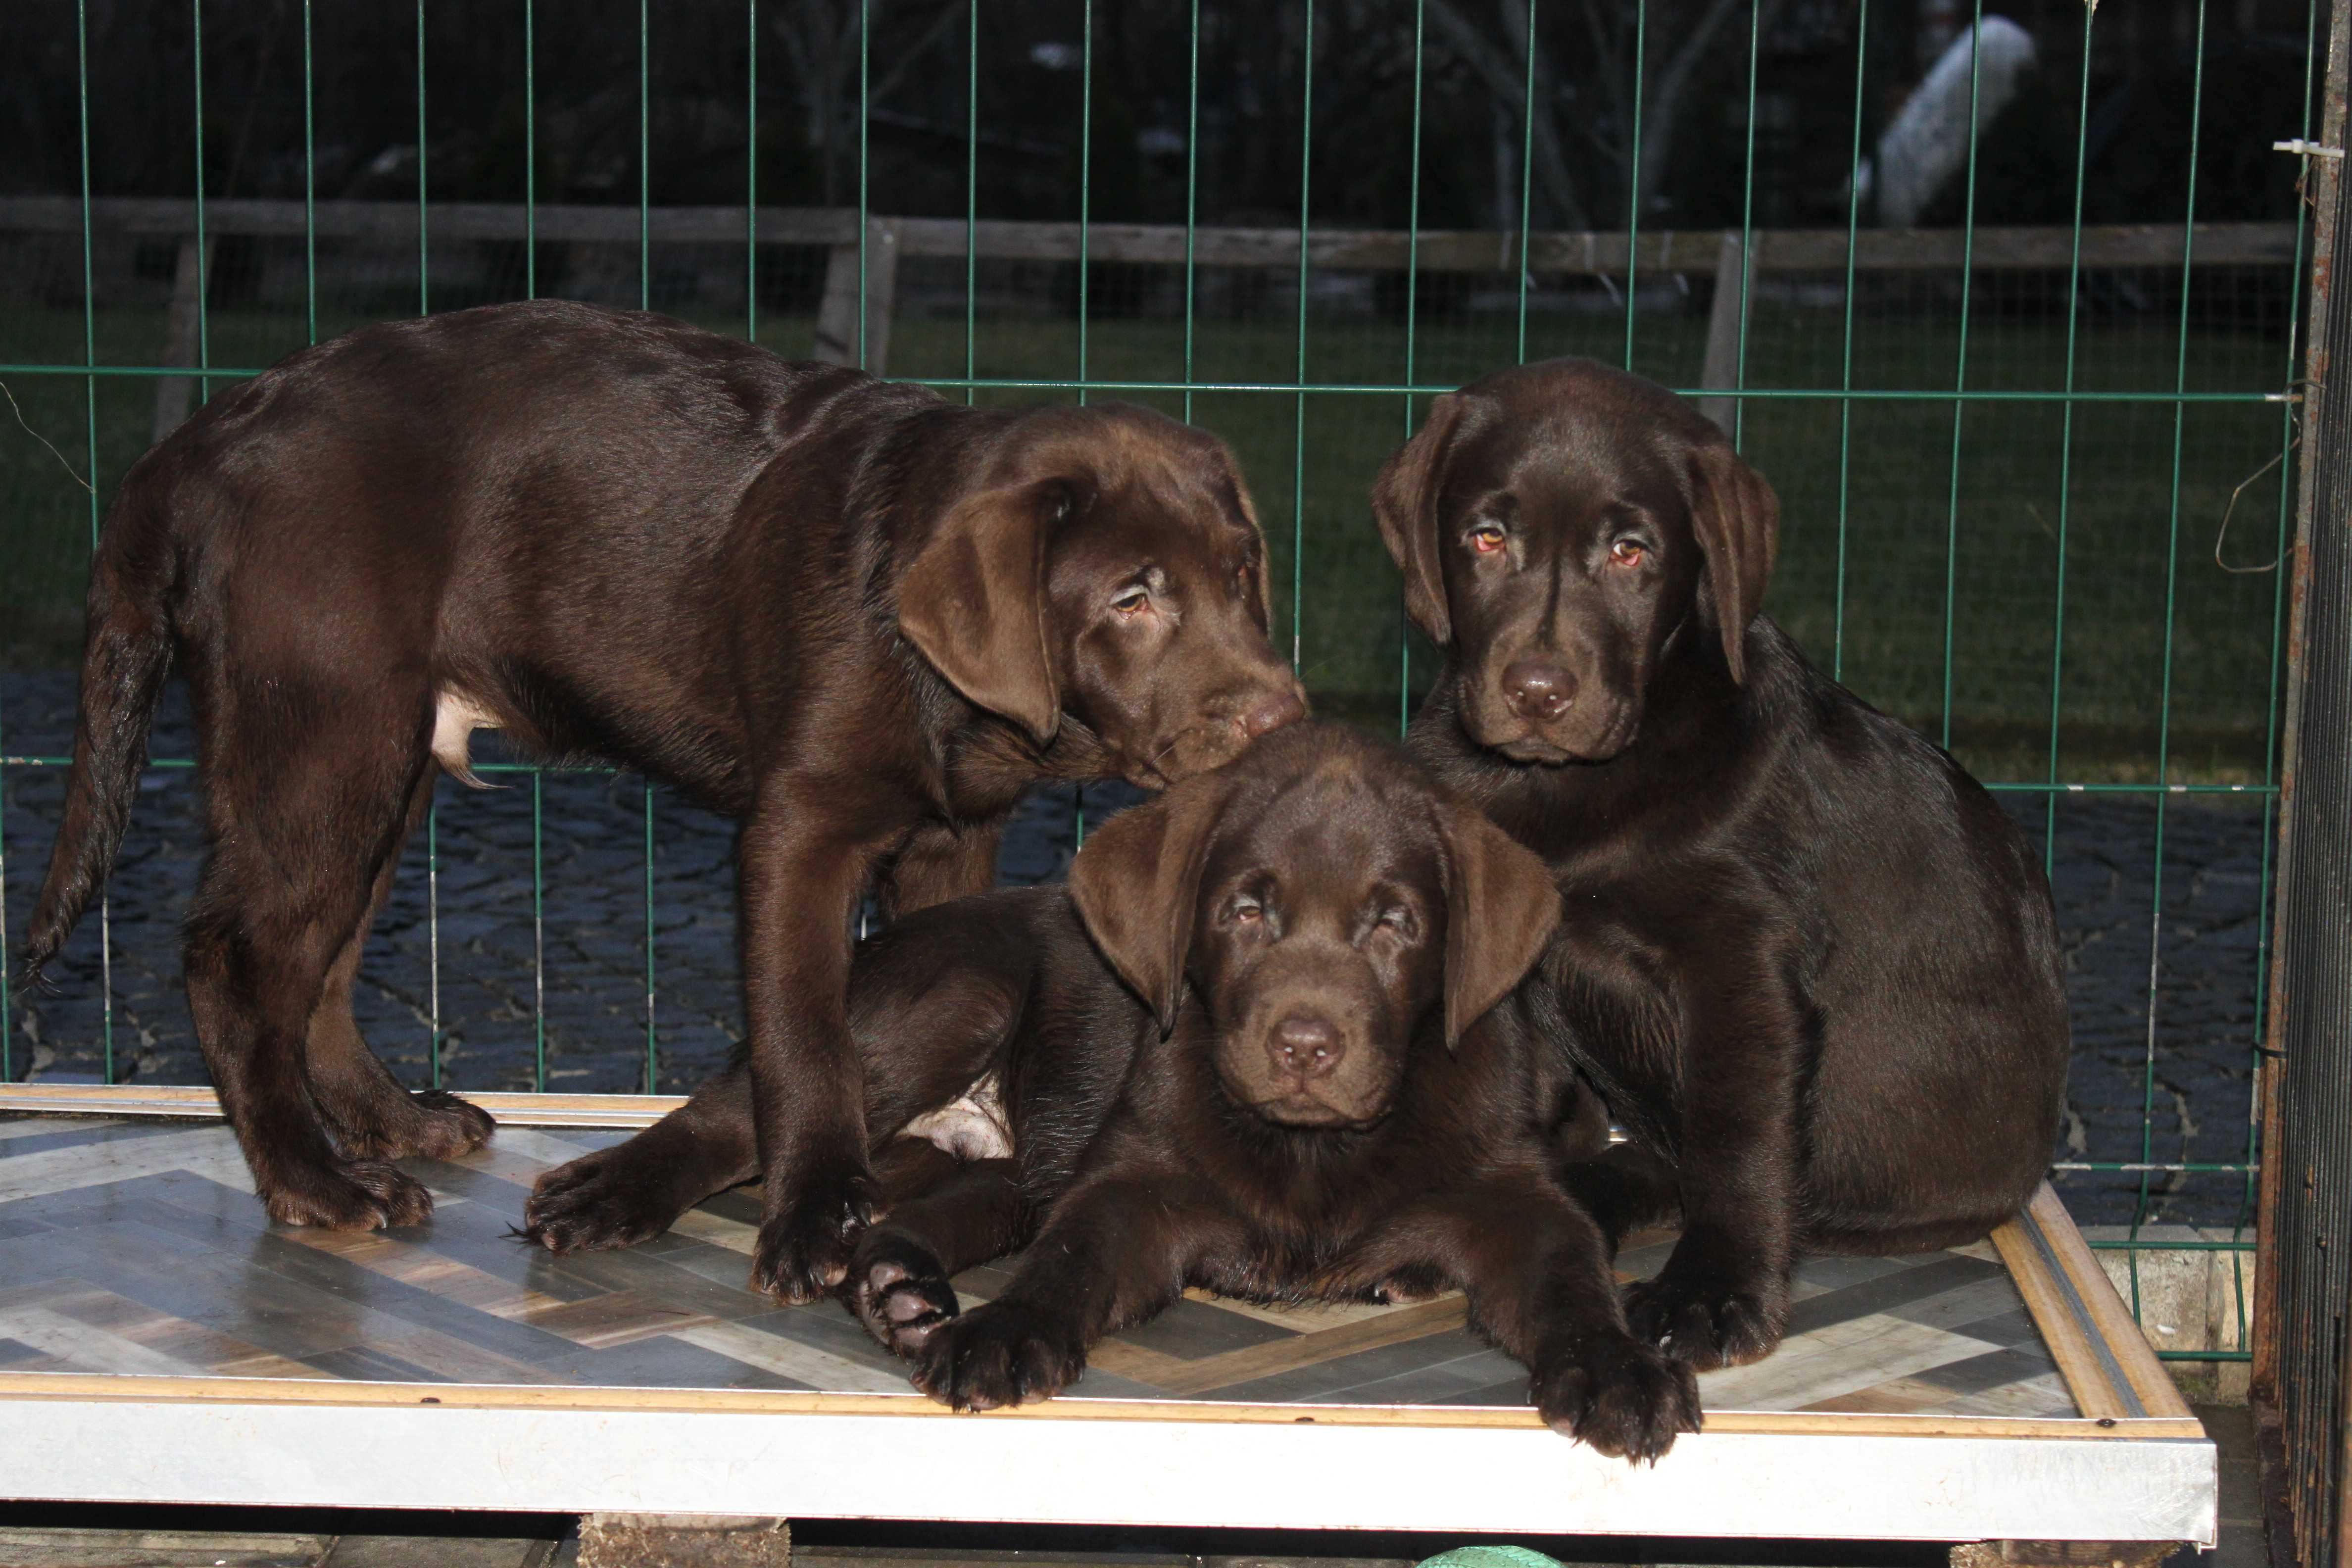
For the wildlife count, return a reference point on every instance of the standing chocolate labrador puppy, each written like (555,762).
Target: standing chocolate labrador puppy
(1806,961)
(856,618)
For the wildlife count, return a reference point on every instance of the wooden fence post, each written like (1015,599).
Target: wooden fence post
(837,316)
(1722,334)
(172,393)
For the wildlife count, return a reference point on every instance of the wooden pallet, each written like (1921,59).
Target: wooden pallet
(161,1340)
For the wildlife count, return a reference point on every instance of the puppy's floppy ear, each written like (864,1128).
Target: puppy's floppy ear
(973,602)
(1136,884)
(1501,908)
(1231,472)
(1404,499)
(1737,519)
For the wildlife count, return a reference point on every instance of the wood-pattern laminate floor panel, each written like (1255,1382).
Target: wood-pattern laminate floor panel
(135,1245)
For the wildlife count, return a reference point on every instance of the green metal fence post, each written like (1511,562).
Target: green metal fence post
(1960,372)
(1411,321)
(1845,354)
(2171,601)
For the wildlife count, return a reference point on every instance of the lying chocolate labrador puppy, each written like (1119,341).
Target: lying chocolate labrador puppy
(1808,961)
(1316,1084)
(859,618)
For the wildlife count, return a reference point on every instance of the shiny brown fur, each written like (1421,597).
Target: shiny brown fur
(1810,964)
(1273,1042)
(857,617)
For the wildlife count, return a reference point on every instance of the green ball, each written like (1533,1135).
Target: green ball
(1490,1557)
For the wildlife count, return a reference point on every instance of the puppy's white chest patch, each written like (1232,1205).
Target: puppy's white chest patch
(971,1127)
(455,717)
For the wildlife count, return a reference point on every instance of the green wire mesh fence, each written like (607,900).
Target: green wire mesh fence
(2035,474)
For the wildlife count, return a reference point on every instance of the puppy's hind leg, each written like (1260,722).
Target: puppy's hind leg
(298,837)
(372,1115)
(1624,1189)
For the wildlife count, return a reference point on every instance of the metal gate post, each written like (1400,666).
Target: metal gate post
(2304,1282)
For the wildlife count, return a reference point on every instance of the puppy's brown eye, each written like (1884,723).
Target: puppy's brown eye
(1132,602)
(1487,538)
(1397,919)
(1246,911)
(1628,552)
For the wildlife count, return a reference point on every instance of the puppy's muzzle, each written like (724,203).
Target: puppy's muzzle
(1266,714)
(1225,730)
(1304,1085)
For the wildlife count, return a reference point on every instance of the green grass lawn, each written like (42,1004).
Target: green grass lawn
(1906,554)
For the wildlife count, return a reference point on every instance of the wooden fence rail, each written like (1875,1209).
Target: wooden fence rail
(1719,255)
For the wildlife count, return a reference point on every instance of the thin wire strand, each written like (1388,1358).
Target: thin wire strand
(645,155)
(1746,235)
(1633,175)
(2171,600)
(865,215)
(424,167)
(530,151)
(196,142)
(1527,179)
(750,176)
(2066,449)
(644,302)
(1298,413)
(1086,182)
(90,405)
(1411,325)
(971,204)
(1388,388)
(309,186)
(1846,362)
(1191,201)
(433,931)
(537,936)
(1960,374)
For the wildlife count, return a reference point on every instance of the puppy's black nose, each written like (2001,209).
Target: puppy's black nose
(1305,1047)
(1270,713)
(1538,688)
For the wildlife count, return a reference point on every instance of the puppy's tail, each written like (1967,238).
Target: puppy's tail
(126,650)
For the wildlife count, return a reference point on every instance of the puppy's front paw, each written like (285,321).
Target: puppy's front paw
(598,1201)
(804,1249)
(448,1127)
(1617,1394)
(898,1292)
(360,1194)
(378,1121)
(1706,1317)
(997,1355)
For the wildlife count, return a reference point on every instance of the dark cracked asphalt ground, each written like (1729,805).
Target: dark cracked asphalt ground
(2179,1094)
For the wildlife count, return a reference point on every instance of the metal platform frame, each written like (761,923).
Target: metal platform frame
(2134,1467)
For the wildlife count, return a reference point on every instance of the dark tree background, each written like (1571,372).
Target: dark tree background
(916,61)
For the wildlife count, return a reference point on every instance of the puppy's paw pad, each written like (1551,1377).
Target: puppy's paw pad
(1618,1396)
(902,1299)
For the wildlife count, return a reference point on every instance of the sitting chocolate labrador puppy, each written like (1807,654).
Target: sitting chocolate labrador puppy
(1316,1083)
(1808,961)
(859,618)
